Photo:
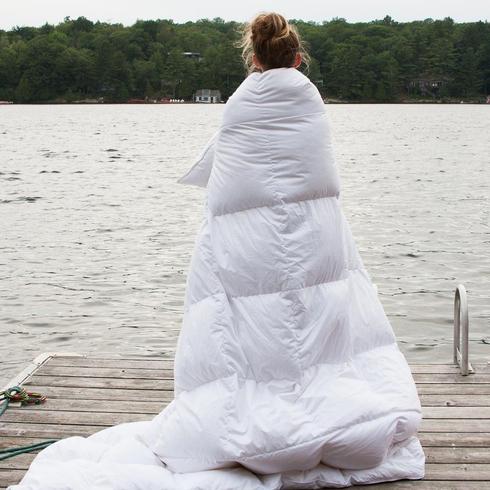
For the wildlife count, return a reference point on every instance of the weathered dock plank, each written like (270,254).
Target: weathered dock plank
(85,382)
(72,393)
(141,363)
(20,462)
(455,400)
(9,442)
(483,368)
(451,378)
(87,394)
(450,439)
(429,485)
(464,472)
(457,455)
(109,406)
(456,412)
(106,372)
(46,431)
(453,389)
(10,477)
(454,425)
(53,417)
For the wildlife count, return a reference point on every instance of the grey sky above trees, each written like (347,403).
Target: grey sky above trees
(37,12)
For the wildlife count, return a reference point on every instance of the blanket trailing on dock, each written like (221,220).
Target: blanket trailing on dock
(287,370)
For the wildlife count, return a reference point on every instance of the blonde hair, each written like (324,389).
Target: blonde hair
(274,41)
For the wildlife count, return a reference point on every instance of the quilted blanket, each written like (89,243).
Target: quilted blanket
(287,370)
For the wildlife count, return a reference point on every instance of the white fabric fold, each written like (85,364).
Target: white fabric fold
(200,170)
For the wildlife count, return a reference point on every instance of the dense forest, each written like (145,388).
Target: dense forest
(382,60)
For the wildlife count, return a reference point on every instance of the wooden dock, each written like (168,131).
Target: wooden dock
(86,394)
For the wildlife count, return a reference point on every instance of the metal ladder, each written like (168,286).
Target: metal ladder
(461,331)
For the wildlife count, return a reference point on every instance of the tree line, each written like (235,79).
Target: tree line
(379,61)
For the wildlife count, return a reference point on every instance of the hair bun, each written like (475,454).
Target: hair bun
(269,26)
(270,41)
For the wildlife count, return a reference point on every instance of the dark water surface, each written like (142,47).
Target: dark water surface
(96,235)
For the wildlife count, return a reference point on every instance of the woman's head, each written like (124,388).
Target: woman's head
(269,41)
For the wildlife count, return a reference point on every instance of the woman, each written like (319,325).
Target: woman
(287,371)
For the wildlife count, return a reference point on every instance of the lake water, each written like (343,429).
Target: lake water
(96,235)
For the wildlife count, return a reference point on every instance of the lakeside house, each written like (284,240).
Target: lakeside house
(5,102)
(99,100)
(427,86)
(192,55)
(207,96)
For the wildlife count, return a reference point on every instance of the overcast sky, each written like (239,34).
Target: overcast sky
(37,12)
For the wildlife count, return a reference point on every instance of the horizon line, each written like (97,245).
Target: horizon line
(214,19)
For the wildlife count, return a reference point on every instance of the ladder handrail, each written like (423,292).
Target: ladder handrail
(461,331)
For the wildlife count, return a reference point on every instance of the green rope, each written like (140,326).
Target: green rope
(6,396)
(18,394)
(15,451)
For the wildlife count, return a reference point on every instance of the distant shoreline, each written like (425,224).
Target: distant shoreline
(382,61)
(327,101)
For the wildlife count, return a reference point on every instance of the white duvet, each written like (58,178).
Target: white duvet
(287,371)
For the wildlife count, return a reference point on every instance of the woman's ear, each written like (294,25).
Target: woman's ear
(255,61)
(297,60)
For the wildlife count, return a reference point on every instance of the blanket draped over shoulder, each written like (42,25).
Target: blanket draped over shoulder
(287,370)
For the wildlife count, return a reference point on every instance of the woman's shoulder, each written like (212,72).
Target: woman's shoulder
(274,93)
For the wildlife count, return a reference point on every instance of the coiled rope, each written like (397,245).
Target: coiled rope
(17,394)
